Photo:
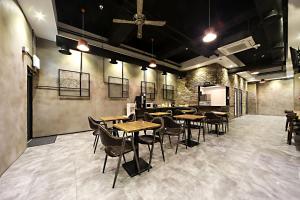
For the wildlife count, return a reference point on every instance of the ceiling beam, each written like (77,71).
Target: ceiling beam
(94,50)
(256,67)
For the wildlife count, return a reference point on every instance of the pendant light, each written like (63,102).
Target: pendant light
(82,44)
(152,62)
(209,35)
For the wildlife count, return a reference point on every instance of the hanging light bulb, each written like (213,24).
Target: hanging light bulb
(152,62)
(209,35)
(83,44)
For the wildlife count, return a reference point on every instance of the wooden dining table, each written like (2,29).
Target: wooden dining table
(188,118)
(159,114)
(132,167)
(114,120)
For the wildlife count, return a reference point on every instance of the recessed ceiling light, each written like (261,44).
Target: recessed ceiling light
(40,16)
(101,7)
(186,48)
(255,73)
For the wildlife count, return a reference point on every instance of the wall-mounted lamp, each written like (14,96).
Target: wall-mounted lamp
(64,50)
(144,68)
(262,81)
(113,61)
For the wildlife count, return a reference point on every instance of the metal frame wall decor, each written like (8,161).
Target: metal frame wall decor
(118,87)
(148,88)
(168,92)
(73,84)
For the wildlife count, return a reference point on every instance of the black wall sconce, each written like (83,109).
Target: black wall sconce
(113,61)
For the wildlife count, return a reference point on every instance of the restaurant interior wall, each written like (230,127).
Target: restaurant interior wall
(15,33)
(53,115)
(271,97)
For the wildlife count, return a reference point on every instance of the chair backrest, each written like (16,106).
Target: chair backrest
(170,123)
(132,117)
(159,120)
(170,111)
(178,112)
(148,117)
(194,109)
(211,115)
(107,139)
(94,123)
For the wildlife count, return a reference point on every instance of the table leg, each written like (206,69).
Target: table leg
(190,142)
(131,167)
(115,131)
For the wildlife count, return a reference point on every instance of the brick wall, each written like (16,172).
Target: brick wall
(215,73)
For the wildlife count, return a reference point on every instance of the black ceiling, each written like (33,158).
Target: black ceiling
(180,39)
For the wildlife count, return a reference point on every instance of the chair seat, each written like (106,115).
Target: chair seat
(114,151)
(148,139)
(172,131)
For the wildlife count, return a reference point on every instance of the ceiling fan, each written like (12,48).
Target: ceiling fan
(139,20)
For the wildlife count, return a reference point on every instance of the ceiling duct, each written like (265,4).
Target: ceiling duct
(238,46)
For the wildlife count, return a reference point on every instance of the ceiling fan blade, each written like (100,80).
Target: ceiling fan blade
(140,31)
(155,23)
(123,21)
(139,6)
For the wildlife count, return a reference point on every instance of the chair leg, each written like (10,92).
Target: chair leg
(217,129)
(177,144)
(124,158)
(117,171)
(286,125)
(203,134)
(289,138)
(96,144)
(170,141)
(95,140)
(105,160)
(149,147)
(162,149)
(151,153)
(199,133)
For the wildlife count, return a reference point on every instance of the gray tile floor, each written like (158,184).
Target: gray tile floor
(252,161)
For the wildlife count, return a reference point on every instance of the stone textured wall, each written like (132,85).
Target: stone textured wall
(252,98)
(297,92)
(187,87)
(272,97)
(14,33)
(52,115)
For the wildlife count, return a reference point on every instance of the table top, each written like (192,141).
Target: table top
(219,113)
(136,126)
(159,114)
(189,117)
(187,111)
(114,118)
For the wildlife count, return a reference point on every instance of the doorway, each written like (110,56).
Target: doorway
(29,103)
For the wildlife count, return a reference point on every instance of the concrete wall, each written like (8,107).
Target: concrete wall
(53,115)
(272,97)
(215,73)
(14,33)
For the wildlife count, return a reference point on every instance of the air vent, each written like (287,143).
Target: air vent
(238,46)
